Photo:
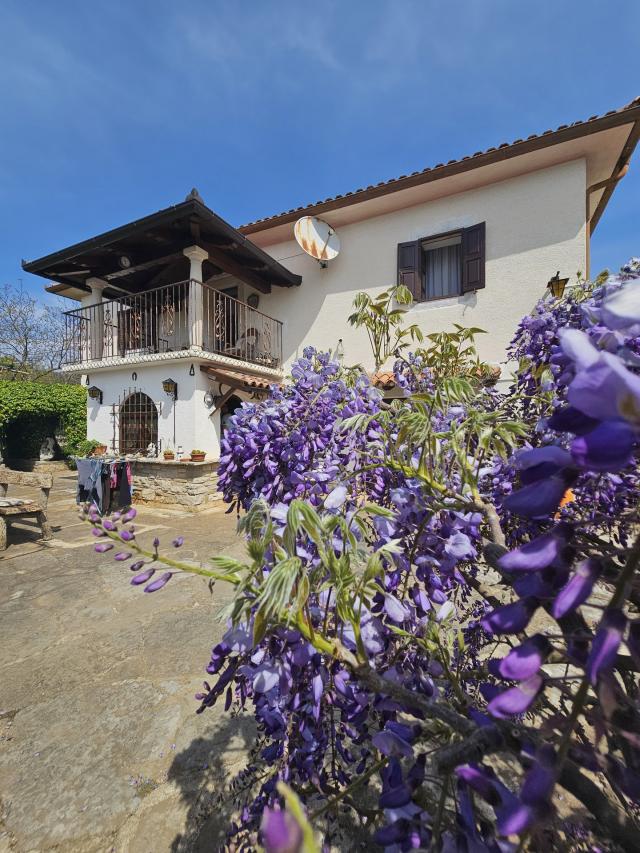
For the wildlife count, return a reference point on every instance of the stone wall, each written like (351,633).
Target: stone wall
(185,485)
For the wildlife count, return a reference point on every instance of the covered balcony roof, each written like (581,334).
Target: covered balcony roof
(148,253)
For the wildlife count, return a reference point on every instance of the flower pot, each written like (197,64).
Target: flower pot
(198,457)
(169,457)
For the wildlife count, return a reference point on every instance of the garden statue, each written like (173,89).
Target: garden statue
(47,449)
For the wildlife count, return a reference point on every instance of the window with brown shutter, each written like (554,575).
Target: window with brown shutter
(443,265)
(410,267)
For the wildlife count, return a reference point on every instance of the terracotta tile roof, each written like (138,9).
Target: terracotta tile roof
(237,379)
(383,379)
(502,151)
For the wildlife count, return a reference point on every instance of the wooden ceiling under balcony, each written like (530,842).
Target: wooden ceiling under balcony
(153,246)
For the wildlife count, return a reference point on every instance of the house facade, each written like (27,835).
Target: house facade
(179,316)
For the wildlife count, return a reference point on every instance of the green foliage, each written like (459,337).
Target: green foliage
(26,406)
(382,318)
(454,354)
(86,447)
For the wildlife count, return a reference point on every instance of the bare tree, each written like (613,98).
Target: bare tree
(33,342)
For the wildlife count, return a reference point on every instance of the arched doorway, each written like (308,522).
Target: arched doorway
(138,418)
(228,410)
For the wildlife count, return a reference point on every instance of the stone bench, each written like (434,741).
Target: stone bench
(13,509)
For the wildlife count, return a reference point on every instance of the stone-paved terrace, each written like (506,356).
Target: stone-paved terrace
(100,745)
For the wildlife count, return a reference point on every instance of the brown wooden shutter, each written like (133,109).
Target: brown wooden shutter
(473,258)
(410,267)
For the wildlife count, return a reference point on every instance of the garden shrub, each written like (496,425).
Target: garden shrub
(437,622)
(29,411)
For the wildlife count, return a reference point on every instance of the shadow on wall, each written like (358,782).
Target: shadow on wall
(544,211)
(207,774)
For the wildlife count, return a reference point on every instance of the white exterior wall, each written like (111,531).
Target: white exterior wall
(535,225)
(195,427)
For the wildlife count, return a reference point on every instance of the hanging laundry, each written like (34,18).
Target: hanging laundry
(106,484)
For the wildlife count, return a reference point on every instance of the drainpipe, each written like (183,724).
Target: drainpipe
(608,182)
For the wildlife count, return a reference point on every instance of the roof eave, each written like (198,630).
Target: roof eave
(190,207)
(566,133)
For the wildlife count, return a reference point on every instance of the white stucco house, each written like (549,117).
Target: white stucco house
(222,311)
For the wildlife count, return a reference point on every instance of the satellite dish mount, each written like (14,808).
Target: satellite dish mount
(318,239)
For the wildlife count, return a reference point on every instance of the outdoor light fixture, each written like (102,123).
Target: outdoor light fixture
(557,285)
(170,387)
(209,399)
(192,371)
(339,350)
(95,393)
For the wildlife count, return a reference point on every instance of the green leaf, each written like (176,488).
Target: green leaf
(228,565)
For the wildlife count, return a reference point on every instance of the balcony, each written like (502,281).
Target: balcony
(177,318)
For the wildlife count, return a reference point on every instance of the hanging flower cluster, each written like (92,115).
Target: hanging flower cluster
(433,581)
(286,447)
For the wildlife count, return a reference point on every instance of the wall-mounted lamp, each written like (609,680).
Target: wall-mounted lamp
(339,350)
(86,380)
(95,393)
(170,387)
(209,399)
(557,285)
(192,371)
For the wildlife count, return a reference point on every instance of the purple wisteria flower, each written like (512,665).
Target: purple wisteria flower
(280,832)
(336,498)
(143,577)
(510,619)
(608,447)
(525,660)
(538,553)
(394,739)
(606,644)
(534,802)
(157,584)
(516,700)
(577,589)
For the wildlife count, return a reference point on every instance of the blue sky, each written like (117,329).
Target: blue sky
(110,111)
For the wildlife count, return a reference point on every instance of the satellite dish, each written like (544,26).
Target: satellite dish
(317,238)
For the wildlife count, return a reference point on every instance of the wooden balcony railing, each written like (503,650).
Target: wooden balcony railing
(170,319)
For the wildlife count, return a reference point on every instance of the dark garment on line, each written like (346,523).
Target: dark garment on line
(90,483)
(105,484)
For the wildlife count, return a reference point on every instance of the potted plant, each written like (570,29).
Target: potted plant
(169,455)
(91,447)
(198,455)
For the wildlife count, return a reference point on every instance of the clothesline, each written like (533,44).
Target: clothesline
(106,484)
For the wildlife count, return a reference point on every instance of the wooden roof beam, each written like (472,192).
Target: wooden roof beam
(238,270)
(146,265)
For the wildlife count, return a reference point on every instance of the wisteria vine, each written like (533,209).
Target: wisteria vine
(437,623)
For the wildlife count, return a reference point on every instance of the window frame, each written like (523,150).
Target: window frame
(473,259)
(446,235)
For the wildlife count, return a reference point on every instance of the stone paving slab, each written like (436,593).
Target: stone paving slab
(100,746)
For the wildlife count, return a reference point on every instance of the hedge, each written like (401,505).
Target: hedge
(29,405)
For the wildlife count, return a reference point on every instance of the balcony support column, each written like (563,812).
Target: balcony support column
(196,257)
(95,319)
